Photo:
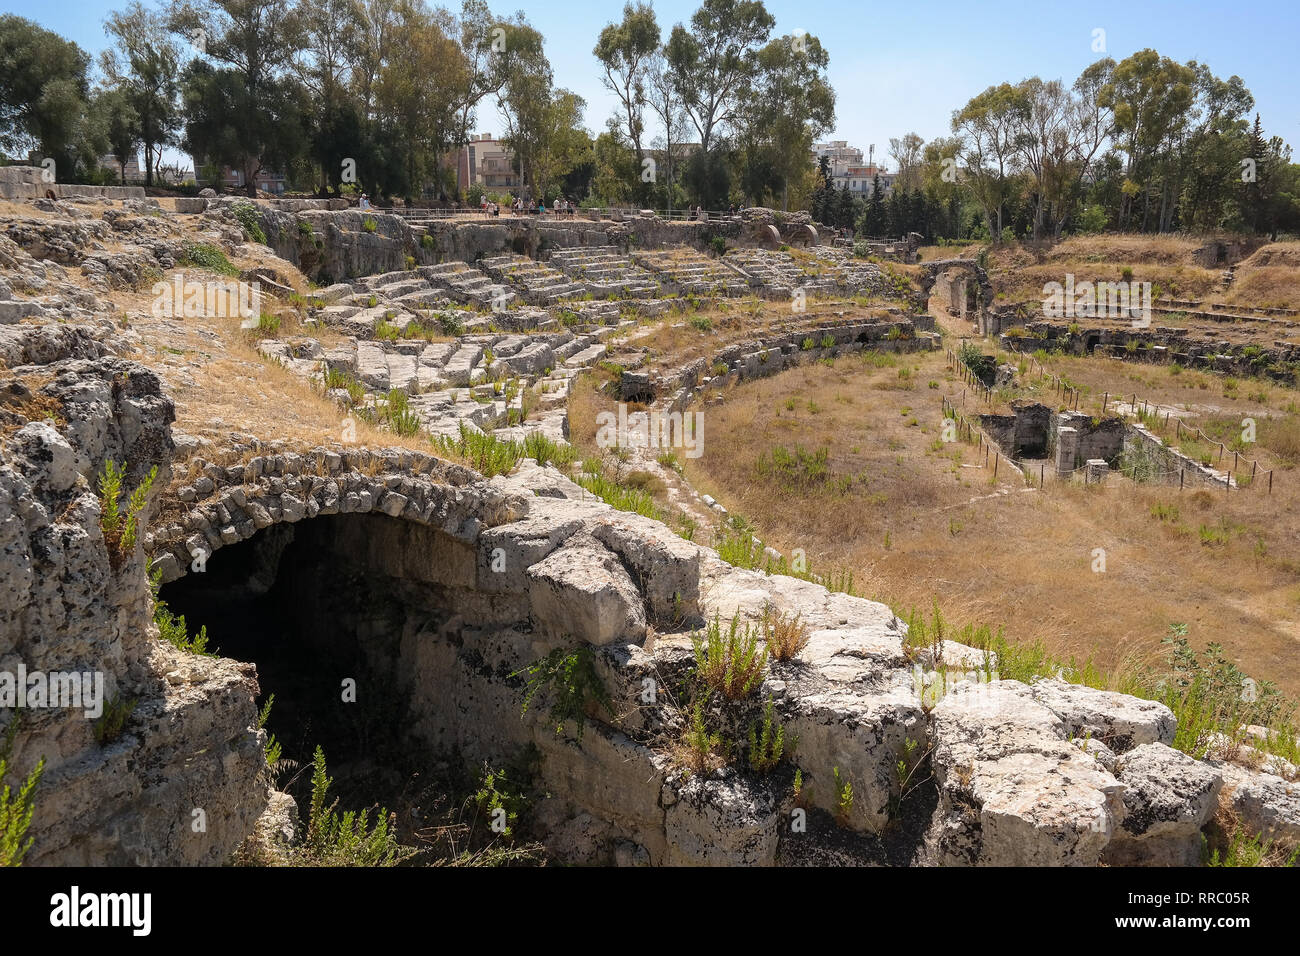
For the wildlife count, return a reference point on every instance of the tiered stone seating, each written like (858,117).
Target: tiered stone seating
(688,271)
(605,271)
(467,284)
(535,281)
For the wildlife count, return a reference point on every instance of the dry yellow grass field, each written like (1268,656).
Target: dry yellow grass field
(918,521)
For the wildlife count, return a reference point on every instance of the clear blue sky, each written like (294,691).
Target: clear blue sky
(902,67)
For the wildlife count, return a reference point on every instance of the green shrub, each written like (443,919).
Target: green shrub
(766,742)
(1249,849)
(450,324)
(204,255)
(732,663)
(369,225)
(500,798)
(545,450)
(797,469)
(396,414)
(121,528)
(16,807)
(347,839)
(273,749)
(246,214)
(843,798)
(574,683)
(112,722)
(171,627)
(701,750)
(337,378)
(484,453)
(623,498)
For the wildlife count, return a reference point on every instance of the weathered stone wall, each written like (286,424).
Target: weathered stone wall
(1098,438)
(345,244)
(65,605)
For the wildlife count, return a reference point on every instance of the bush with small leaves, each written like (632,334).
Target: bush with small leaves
(346,839)
(121,528)
(766,742)
(731,663)
(16,807)
(575,686)
(786,635)
(701,750)
(843,798)
(246,214)
(112,722)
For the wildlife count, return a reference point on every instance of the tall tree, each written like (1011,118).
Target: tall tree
(524,93)
(625,50)
(906,152)
(1150,96)
(242,107)
(417,91)
(711,62)
(986,128)
(786,104)
(146,66)
(121,126)
(324,66)
(43,93)
(665,101)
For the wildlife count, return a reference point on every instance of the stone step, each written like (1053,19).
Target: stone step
(585,357)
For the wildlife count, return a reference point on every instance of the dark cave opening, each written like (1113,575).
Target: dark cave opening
(372,635)
(349,620)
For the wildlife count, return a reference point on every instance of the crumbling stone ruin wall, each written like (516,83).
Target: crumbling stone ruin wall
(1022,434)
(1173,462)
(30,182)
(477,578)
(1102,438)
(956,274)
(1032,430)
(1160,344)
(333,245)
(66,605)
(774,353)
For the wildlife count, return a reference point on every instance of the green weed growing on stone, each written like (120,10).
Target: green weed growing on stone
(16,806)
(575,686)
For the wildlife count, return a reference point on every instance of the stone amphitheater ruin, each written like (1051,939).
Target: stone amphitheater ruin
(434,586)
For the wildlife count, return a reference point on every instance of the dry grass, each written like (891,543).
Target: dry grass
(22,396)
(1268,286)
(786,635)
(1024,283)
(1274,254)
(915,526)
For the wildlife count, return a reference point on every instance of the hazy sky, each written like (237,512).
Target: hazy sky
(902,67)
